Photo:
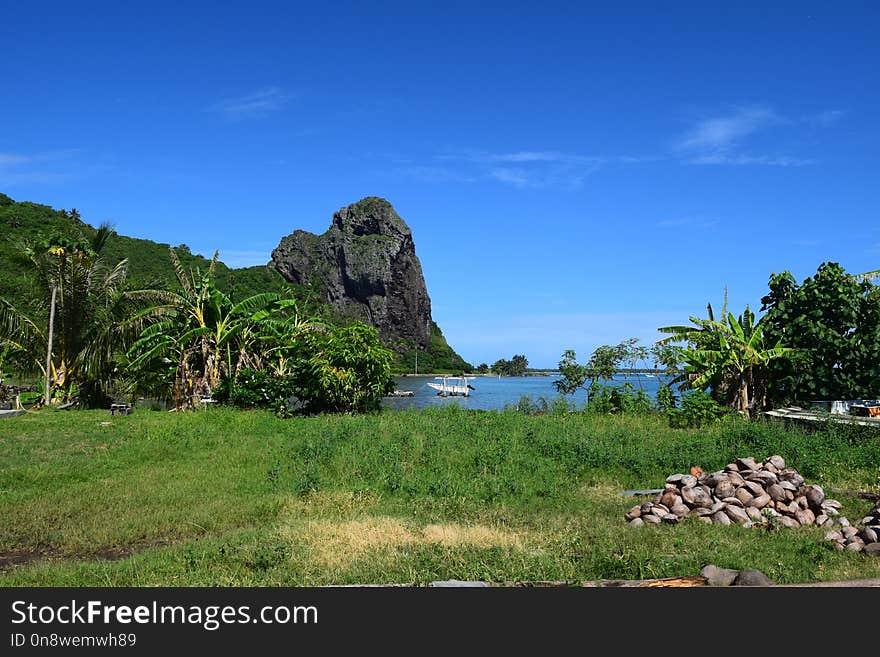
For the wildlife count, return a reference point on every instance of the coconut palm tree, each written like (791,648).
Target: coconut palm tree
(75,349)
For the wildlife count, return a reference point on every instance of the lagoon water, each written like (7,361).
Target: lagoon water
(494,393)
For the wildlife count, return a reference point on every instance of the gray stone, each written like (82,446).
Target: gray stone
(747,463)
(737,514)
(777,461)
(763,478)
(873,549)
(833,536)
(832,504)
(669,518)
(787,485)
(716,576)
(839,546)
(681,510)
(688,480)
(731,467)
(669,499)
(754,488)
(815,496)
(821,519)
(755,514)
(805,517)
(689,495)
(743,495)
(855,546)
(367,267)
(717,507)
(636,522)
(760,501)
(870,535)
(705,519)
(732,501)
(700,496)
(674,479)
(647,507)
(787,521)
(752,577)
(651,519)
(802,502)
(634,512)
(724,489)
(721,518)
(776,493)
(735,479)
(849,532)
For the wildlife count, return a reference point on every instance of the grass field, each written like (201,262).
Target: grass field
(233,498)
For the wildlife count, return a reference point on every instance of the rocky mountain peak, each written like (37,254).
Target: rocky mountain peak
(366,266)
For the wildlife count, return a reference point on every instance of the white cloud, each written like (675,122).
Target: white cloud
(720,133)
(687,222)
(254,105)
(515,177)
(742,160)
(38,168)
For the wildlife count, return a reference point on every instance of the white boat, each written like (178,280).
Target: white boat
(453,386)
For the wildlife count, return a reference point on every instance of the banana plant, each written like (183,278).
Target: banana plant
(737,358)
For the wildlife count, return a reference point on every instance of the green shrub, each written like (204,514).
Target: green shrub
(343,369)
(697,409)
(618,399)
(255,389)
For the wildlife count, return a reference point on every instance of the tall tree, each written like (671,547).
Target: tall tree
(74,352)
(833,319)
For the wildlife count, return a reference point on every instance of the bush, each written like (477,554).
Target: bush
(697,409)
(618,399)
(344,369)
(255,389)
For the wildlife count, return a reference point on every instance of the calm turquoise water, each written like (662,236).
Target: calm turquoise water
(494,393)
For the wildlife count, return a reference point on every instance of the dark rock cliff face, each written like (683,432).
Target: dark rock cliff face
(366,264)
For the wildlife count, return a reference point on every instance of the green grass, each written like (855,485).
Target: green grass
(225,497)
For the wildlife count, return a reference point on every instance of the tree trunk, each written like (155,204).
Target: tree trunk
(51,336)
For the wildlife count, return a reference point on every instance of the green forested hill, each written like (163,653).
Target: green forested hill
(150,267)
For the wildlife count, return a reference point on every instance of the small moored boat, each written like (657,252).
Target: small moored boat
(453,386)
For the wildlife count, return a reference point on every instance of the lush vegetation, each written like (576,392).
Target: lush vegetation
(139,318)
(230,497)
(819,340)
(832,319)
(437,358)
(516,366)
(145,265)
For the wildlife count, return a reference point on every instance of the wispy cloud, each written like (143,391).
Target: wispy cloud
(721,133)
(37,168)
(723,139)
(743,160)
(255,105)
(515,177)
(435,174)
(687,222)
(525,168)
(826,118)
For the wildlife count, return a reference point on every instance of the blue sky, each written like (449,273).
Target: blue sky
(573,175)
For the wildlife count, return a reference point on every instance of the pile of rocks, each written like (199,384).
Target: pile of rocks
(853,539)
(745,493)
